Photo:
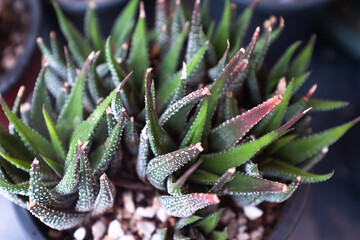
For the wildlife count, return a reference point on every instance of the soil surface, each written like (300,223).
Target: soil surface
(14,25)
(138,216)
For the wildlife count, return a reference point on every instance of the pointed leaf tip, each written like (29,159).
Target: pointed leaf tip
(231,132)
(186,205)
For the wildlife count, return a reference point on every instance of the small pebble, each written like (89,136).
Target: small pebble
(242,228)
(139,196)
(106,237)
(156,204)
(242,220)
(162,215)
(257,234)
(146,228)
(227,216)
(243,236)
(80,233)
(115,230)
(98,229)
(128,237)
(232,229)
(128,202)
(252,212)
(146,212)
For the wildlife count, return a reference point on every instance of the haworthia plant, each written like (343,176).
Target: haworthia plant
(205,121)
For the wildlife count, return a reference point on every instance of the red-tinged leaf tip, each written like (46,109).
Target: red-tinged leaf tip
(99,100)
(45,63)
(197,3)
(39,40)
(30,205)
(231,170)
(238,55)
(254,4)
(273,20)
(92,55)
(298,179)
(313,38)
(21,91)
(177,2)
(211,198)
(108,110)
(125,46)
(142,10)
(149,70)
(282,22)
(25,107)
(103,177)
(144,134)
(356,120)
(253,42)
(310,93)
(164,28)
(35,162)
(205,91)
(306,111)
(184,72)
(292,121)
(229,94)
(199,147)
(92,4)
(324,150)
(281,87)
(123,82)
(228,134)
(52,34)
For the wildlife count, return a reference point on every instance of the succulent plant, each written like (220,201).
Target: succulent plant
(212,122)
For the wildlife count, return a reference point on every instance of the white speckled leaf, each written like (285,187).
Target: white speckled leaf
(56,219)
(105,198)
(161,167)
(186,205)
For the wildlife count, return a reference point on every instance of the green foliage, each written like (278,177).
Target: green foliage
(197,131)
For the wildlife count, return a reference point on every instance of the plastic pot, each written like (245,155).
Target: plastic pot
(291,215)
(13,75)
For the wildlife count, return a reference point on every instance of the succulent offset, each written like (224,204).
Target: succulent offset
(201,114)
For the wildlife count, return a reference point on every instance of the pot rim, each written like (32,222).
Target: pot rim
(13,75)
(293,210)
(77,7)
(285,8)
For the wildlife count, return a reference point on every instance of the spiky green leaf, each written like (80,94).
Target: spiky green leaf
(162,166)
(230,132)
(186,205)
(106,197)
